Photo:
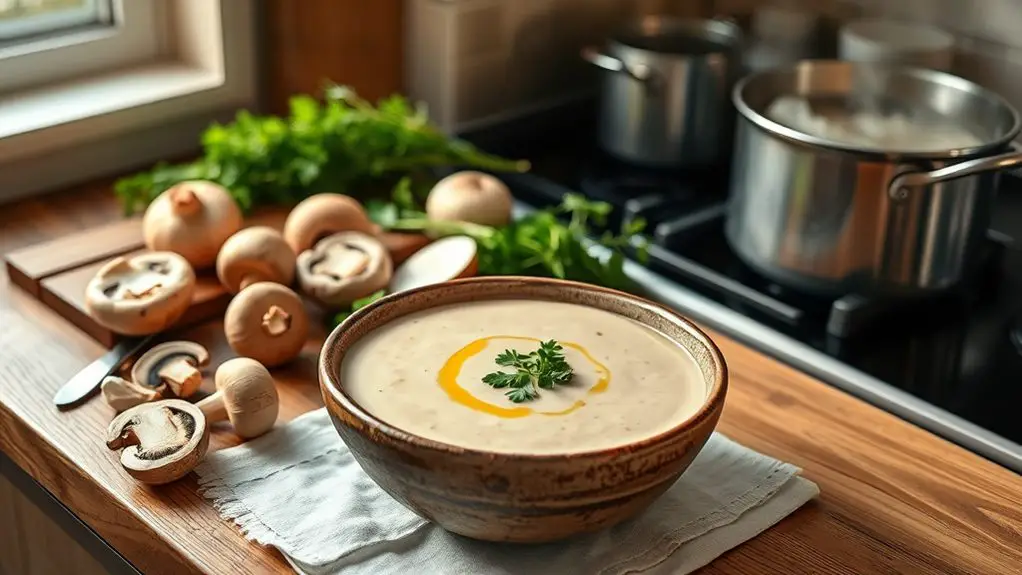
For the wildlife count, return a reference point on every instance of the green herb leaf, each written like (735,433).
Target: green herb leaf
(342,144)
(541,369)
(357,305)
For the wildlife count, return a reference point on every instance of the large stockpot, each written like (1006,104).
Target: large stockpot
(664,99)
(825,217)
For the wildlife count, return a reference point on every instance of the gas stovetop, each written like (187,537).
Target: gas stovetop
(951,364)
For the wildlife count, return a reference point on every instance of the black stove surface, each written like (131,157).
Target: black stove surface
(961,352)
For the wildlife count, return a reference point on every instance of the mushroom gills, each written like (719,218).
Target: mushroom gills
(157,433)
(341,261)
(173,366)
(136,282)
(140,294)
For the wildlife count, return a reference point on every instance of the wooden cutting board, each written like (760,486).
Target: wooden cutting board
(28,266)
(65,294)
(57,271)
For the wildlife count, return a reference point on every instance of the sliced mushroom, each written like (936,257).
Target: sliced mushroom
(193,219)
(253,255)
(446,259)
(470,197)
(324,214)
(343,268)
(172,365)
(161,441)
(266,322)
(122,394)
(246,395)
(141,294)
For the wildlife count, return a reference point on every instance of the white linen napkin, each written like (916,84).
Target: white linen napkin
(299,489)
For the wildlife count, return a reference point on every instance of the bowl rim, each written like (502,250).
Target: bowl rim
(330,361)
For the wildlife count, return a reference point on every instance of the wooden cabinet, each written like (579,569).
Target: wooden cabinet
(353,42)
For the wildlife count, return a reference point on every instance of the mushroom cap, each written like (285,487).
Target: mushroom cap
(146,369)
(160,441)
(141,294)
(193,219)
(266,322)
(322,215)
(343,268)
(249,395)
(470,196)
(255,254)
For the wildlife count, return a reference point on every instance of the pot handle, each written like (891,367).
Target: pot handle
(902,183)
(638,72)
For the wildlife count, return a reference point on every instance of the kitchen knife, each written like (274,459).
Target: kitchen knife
(87,381)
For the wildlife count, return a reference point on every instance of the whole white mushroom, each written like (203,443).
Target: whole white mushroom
(470,197)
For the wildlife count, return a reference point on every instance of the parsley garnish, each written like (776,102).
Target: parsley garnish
(543,368)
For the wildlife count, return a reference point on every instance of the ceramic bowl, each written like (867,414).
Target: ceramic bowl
(520,497)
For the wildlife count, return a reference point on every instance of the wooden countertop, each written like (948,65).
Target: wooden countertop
(894,498)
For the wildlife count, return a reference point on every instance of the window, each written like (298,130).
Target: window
(21,19)
(45,41)
(94,87)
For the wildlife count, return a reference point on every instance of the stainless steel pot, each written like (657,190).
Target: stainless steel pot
(827,217)
(664,94)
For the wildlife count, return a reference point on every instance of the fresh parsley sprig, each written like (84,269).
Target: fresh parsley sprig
(341,144)
(541,369)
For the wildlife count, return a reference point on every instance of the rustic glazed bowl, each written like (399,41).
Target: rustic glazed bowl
(520,497)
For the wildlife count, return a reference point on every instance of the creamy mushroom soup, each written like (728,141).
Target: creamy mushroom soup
(424,373)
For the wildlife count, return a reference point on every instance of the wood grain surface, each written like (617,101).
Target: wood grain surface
(895,499)
(29,265)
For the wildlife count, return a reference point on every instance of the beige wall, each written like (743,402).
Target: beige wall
(472,60)
(989,32)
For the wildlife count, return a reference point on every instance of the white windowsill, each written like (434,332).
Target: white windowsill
(54,106)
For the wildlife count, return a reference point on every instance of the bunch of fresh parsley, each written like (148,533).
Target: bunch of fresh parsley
(541,369)
(546,243)
(343,144)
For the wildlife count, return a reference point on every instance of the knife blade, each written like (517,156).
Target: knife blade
(87,381)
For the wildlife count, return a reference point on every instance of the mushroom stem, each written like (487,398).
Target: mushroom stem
(183,201)
(248,280)
(276,321)
(181,375)
(213,407)
(122,394)
(119,265)
(126,438)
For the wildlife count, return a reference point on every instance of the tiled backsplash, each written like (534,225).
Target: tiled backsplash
(473,61)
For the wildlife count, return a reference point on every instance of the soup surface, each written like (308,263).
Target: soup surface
(423,373)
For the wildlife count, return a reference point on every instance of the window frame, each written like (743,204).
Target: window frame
(134,36)
(103,123)
(95,12)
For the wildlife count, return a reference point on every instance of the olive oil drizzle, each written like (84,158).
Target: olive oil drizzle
(448,379)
